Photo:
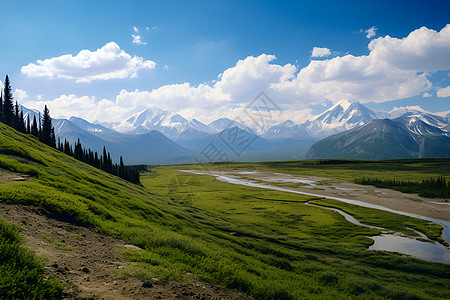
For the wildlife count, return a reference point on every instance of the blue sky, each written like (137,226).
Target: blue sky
(186,45)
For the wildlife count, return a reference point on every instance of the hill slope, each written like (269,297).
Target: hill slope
(299,255)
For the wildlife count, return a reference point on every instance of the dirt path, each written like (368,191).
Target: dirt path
(6,176)
(409,203)
(86,260)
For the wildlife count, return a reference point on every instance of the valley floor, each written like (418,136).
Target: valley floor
(328,187)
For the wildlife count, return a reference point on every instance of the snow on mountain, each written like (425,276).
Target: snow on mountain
(344,115)
(405,110)
(170,124)
(224,123)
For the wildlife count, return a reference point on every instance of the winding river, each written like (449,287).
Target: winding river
(422,248)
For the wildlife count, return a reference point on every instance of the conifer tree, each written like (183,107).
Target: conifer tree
(28,124)
(16,116)
(34,128)
(46,131)
(8,107)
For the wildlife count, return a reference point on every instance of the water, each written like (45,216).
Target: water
(426,250)
(445,224)
(431,251)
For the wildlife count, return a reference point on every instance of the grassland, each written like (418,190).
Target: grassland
(349,170)
(21,272)
(267,244)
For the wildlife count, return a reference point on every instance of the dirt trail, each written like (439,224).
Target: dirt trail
(6,176)
(86,260)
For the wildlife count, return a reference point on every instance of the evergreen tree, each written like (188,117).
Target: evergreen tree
(104,160)
(34,128)
(16,116)
(8,107)
(121,168)
(28,124)
(46,131)
(23,128)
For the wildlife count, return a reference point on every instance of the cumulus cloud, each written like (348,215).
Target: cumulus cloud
(371,32)
(86,107)
(20,95)
(426,95)
(137,39)
(108,62)
(393,69)
(443,92)
(320,52)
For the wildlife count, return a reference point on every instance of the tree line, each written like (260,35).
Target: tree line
(438,187)
(12,115)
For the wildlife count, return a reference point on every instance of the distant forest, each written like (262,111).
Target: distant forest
(433,188)
(43,129)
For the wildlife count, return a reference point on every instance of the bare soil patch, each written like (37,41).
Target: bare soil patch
(6,176)
(87,260)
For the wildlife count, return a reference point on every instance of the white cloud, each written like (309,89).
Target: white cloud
(166,67)
(108,62)
(135,29)
(443,92)
(137,39)
(86,107)
(380,76)
(320,52)
(155,27)
(426,95)
(394,69)
(371,32)
(20,95)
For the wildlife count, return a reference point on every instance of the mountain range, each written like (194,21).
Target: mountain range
(348,129)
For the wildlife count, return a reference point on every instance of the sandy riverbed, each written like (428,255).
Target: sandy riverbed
(338,188)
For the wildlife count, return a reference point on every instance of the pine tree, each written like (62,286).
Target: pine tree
(23,128)
(104,160)
(121,168)
(34,128)
(8,107)
(16,116)
(46,131)
(28,124)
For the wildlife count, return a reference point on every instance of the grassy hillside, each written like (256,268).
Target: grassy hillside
(268,244)
(21,272)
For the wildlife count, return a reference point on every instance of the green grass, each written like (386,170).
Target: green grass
(349,170)
(268,244)
(21,272)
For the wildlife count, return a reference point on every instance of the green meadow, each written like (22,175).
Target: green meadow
(267,244)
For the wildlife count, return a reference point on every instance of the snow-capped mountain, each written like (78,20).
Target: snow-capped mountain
(224,123)
(170,124)
(405,110)
(344,115)
(153,129)
(404,137)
